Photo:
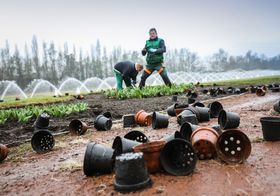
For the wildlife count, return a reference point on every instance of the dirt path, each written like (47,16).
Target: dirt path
(60,171)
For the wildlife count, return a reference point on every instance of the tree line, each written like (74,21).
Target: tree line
(54,64)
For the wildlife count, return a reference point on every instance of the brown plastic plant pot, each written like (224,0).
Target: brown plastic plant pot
(143,118)
(276,106)
(137,136)
(129,120)
(180,108)
(151,151)
(204,140)
(233,146)
(78,127)
(261,91)
(3,152)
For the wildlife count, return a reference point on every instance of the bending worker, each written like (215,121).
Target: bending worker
(154,48)
(126,71)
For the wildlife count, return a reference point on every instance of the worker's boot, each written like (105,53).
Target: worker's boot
(144,77)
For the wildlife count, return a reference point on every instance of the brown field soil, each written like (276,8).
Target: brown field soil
(60,172)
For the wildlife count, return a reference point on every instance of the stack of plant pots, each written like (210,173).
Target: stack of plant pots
(42,140)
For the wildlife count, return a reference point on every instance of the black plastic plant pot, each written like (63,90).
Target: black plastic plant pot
(270,128)
(172,136)
(275,89)
(215,108)
(123,145)
(253,89)
(191,100)
(187,129)
(237,91)
(42,121)
(193,95)
(77,127)
(276,106)
(42,141)
(171,110)
(205,91)
(228,120)
(191,118)
(137,136)
(174,98)
(233,146)
(107,114)
(185,113)
(102,123)
(98,160)
(131,173)
(203,114)
(160,121)
(217,128)
(129,120)
(178,157)
(198,104)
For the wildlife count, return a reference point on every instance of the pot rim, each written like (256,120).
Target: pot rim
(270,119)
(204,128)
(150,147)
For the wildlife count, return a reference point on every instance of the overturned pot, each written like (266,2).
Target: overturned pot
(228,120)
(178,157)
(129,120)
(42,121)
(276,106)
(131,173)
(3,152)
(215,108)
(261,91)
(233,146)
(172,136)
(123,145)
(187,129)
(137,136)
(78,127)
(42,141)
(98,159)
(203,114)
(270,128)
(204,140)
(102,123)
(143,118)
(160,121)
(151,151)
(198,104)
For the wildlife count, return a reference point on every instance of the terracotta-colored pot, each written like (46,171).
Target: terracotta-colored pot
(3,152)
(261,91)
(143,118)
(151,151)
(204,141)
(233,146)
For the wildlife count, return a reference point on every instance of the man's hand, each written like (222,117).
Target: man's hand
(152,50)
(144,51)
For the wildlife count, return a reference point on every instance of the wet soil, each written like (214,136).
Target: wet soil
(60,171)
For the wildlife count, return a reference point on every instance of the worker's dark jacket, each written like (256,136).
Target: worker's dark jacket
(128,71)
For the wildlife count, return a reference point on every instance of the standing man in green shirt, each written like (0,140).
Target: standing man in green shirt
(154,48)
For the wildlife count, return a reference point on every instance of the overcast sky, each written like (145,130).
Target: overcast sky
(203,26)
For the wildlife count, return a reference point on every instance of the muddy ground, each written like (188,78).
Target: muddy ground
(60,171)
